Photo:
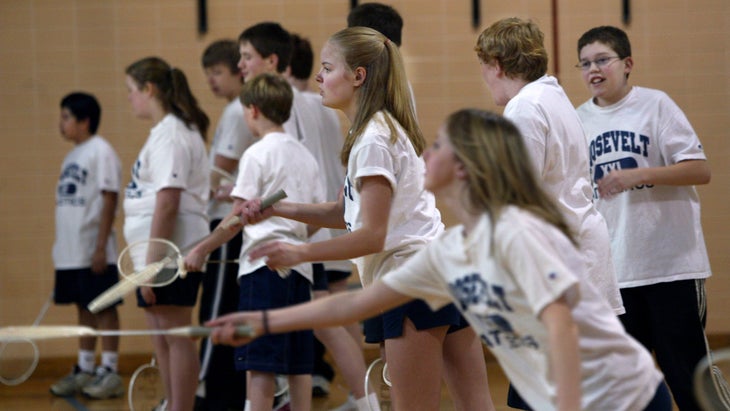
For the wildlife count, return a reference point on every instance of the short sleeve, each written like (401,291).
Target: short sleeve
(109,170)
(373,160)
(679,142)
(171,165)
(420,278)
(533,127)
(532,259)
(249,175)
(234,136)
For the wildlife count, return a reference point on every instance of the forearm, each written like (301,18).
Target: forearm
(108,211)
(563,354)
(685,173)
(328,215)
(354,244)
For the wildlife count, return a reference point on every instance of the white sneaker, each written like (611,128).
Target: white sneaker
(72,383)
(105,384)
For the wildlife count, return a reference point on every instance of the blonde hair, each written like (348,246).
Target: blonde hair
(385,86)
(517,46)
(271,94)
(498,167)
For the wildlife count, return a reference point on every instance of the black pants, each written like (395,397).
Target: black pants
(225,388)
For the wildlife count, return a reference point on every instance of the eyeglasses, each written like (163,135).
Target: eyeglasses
(601,62)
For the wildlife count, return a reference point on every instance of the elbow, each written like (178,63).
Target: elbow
(705,175)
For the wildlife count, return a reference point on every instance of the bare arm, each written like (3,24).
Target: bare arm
(221,234)
(108,211)
(167,204)
(563,356)
(684,173)
(375,197)
(338,309)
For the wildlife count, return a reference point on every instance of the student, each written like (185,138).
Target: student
(513,64)
(85,249)
(378,16)
(220,380)
(645,159)
(342,342)
(389,217)
(166,198)
(514,272)
(276,161)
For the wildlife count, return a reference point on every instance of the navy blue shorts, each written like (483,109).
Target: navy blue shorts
(319,275)
(182,292)
(390,324)
(288,353)
(81,286)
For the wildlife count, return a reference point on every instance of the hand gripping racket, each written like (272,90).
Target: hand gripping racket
(168,266)
(19,358)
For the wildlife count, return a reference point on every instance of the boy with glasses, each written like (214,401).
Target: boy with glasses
(645,159)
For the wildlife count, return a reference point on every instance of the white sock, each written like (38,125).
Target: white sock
(247,406)
(86,360)
(369,403)
(110,360)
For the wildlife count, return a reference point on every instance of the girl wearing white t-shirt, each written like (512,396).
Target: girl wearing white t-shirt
(513,270)
(166,199)
(389,217)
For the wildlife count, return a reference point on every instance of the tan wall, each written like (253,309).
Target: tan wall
(51,47)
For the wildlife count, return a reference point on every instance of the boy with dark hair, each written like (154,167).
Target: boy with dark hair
(221,383)
(276,161)
(380,17)
(645,159)
(85,249)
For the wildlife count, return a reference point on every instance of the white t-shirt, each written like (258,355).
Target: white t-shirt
(88,169)
(656,234)
(232,137)
(501,277)
(173,156)
(414,219)
(277,161)
(554,138)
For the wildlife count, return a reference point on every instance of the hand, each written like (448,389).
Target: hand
(98,261)
(194,261)
(223,193)
(251,212)
(148,295)
(618,181)
(278,254)
(224,332)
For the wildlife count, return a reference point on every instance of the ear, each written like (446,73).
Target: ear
(273,62)
(628,65)
(255,112)
(461,173)
(360,75)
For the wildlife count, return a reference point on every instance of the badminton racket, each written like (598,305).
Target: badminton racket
(48,332)
(146,390)
(710,387)
(19,358)
(168,262)
(378,382)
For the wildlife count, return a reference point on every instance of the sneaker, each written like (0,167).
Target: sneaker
(282,402)
(105,384)
(72,383)
(349,405)
(320,386)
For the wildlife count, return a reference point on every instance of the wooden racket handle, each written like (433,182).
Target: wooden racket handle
(202,332)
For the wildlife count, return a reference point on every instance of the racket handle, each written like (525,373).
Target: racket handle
(202,332)
(265,203)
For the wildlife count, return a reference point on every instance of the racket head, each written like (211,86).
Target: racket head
(710,384)
(154,262)
(146,390)
(18,360)
(377,382)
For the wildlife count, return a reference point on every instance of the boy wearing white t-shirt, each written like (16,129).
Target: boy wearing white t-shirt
(645,159)
(85,250)
(222,384)
(277,161)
